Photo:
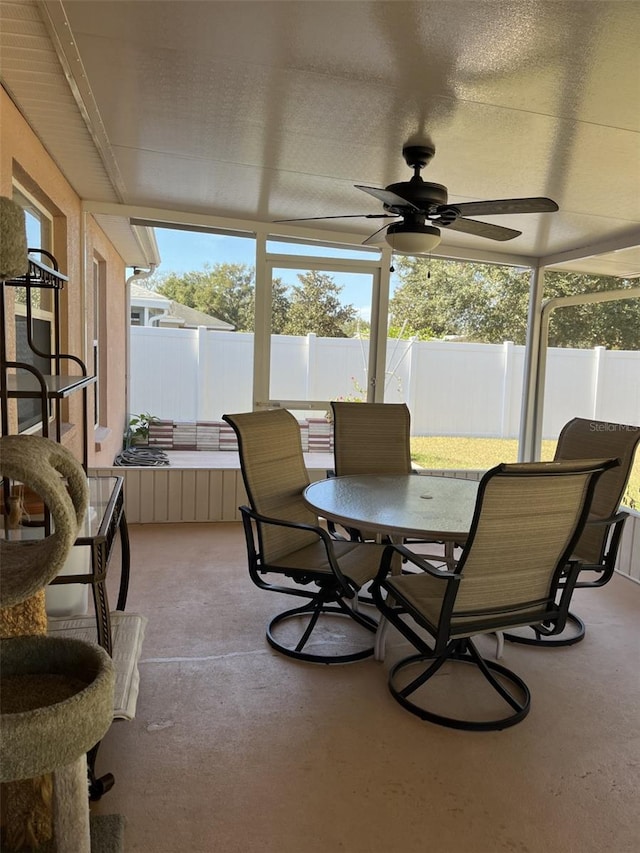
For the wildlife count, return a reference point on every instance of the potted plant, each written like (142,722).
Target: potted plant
(138,429)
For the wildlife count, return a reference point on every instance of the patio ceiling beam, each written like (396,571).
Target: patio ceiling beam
(629,240)
(179,218)
(484,256)
(163,216)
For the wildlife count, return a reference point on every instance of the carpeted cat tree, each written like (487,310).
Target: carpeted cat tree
(56,695)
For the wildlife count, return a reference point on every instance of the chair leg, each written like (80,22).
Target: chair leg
(573,633)
(381,638)
(499,635)
(315,615)
(517,696)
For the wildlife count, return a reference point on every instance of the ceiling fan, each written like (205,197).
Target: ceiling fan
(420,209)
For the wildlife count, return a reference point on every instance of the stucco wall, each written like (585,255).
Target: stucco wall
(22,156)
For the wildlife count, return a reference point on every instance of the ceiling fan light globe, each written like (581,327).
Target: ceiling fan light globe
(418,240)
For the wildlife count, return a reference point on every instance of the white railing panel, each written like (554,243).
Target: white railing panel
(227,374)
(451,388)
(459,389)
(628,562)
(165,372)
(619,370)
(569,388)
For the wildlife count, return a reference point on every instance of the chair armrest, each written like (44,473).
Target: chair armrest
(621,515)
(410,557)
(281,522)
(605,567)
(348,586)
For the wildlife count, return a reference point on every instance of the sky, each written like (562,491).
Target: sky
(185,251)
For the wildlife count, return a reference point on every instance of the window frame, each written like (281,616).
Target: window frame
(42,306)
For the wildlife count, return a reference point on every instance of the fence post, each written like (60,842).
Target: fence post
(507,374)
(596,387)
(412,375)
(312,355)
(201,367)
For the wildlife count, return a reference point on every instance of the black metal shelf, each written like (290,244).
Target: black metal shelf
(40,275)
(30,382)
(28,387)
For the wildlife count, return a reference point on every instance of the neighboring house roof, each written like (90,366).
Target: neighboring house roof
(192,318)
(175,314)
(148,298)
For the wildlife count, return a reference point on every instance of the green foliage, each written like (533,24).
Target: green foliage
(224,290)
(227,291)
(138,429)
(458,452)
(360,393)
(461,452)
(487,303)
(357,328)
(403,332)
(473,302)
(315,307)
(477,302)
(613,324)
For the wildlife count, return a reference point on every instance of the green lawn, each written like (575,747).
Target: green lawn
(454,452)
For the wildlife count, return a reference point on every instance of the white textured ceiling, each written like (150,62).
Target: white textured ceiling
(270,110)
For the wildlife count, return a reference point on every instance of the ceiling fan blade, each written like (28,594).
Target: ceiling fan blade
(345,216)
(483,229)
(386,197)
(372,237)
(506,205)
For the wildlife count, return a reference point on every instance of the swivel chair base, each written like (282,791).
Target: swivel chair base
(315,613)
(517,696)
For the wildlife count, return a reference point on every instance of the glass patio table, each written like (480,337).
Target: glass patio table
(428,507)
(398,505)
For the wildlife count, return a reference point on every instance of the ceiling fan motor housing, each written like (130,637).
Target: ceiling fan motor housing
(419,194)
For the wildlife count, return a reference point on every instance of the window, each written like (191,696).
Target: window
(165,360)
(39,225)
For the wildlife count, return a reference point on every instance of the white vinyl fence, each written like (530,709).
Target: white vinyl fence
(451,388)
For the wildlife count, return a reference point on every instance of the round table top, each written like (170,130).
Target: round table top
(402,504)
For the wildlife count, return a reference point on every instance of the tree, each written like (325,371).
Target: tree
(357,328)
(613,324)
(315,307)
(488,303)
(224,290)
(279,306)
(477,302)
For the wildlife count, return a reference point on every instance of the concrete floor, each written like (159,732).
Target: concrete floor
(238,749)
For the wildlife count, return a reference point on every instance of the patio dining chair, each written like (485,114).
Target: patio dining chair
(370,438)
(373,438)
(284,538)
(515,569)
(597,548)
